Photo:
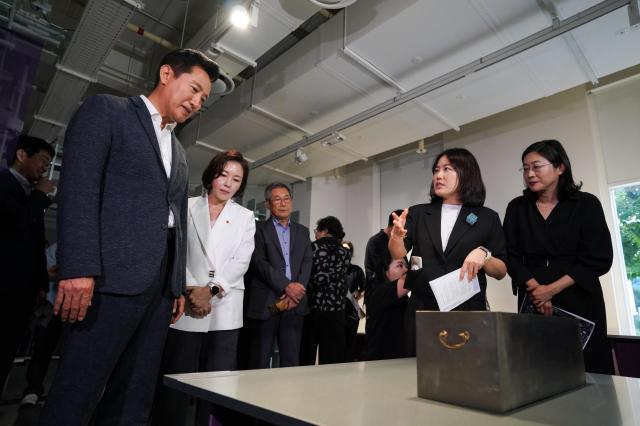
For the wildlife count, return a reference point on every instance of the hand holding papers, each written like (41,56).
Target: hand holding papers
(451,292)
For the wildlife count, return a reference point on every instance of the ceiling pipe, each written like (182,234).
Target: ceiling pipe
(367,65)
(151,36)
(556,29)
(550,9)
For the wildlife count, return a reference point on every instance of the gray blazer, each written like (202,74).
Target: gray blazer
(267,278)
(114,199)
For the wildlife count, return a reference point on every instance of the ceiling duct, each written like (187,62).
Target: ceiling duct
(100,26)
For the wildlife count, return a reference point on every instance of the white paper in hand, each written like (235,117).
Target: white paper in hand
(451,292)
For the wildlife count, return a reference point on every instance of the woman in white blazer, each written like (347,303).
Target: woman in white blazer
(219,247)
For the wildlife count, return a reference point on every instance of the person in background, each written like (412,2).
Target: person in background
(23,199)
(278,275)
(453,231)
(324,326)
(377,250)
(558,245)
(220,240)
(353,312)
(386,301)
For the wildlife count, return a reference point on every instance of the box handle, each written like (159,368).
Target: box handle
(442,336)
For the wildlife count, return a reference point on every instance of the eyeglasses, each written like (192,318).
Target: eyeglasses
(277,200)
(536,167)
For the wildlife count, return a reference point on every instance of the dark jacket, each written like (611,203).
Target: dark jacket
(266,277)
(114,199)
(22,243)
(475,226)
(574,240)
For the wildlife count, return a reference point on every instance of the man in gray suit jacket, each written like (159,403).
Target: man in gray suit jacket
(121,247)
(279,273)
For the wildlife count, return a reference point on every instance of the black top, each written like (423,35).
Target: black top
(22,243)
(327,289)
(384,338)
(474,227)
(376,255)
(574,240)
(354,284)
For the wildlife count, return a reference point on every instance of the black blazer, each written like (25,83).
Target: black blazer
(423,236)
(267,278)
(114,199)
(22,251)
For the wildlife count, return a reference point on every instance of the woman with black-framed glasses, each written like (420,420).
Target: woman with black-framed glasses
(559,245)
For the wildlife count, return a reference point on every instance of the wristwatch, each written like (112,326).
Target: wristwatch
(487,253)
(215,289)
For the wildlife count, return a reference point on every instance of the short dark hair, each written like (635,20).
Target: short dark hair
(32,145)
(274,185)
(183,60)
(554,152)
(332,225)
(216,167)
(471,190)
(390,220)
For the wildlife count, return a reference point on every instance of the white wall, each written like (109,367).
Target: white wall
(351,197)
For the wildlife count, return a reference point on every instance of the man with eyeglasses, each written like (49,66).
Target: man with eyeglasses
(275,299)
(23,199)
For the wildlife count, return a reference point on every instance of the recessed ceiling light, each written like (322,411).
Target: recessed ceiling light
(239,17)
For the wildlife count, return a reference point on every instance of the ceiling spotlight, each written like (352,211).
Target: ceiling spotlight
(239,17)
(300,156)
(332,139)
(421,148)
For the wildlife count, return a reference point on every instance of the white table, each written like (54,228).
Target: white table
(385,393)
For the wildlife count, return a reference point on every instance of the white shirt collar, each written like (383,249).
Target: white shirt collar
(155,115)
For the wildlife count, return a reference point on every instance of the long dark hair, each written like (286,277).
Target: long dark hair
(554,152)
(216,167)
(471,190)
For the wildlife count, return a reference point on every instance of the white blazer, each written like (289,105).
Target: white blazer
(232,241)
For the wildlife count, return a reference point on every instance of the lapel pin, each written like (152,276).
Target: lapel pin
(472,219)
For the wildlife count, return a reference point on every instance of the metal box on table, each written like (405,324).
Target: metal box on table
(496,361)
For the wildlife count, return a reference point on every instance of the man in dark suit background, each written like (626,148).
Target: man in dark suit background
(23,262)
(279,273)
(121,246)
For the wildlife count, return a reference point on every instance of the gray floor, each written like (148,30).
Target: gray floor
(11,414)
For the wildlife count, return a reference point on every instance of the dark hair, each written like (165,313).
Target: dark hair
(183,60)
(32,145)
(332,225)
(554,152)
(216,167)
(390,221)
(388,261)
(470,187)
(274,185)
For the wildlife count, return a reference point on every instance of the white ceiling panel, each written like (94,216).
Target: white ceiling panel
(427,39)
(394,128)
(609,43)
